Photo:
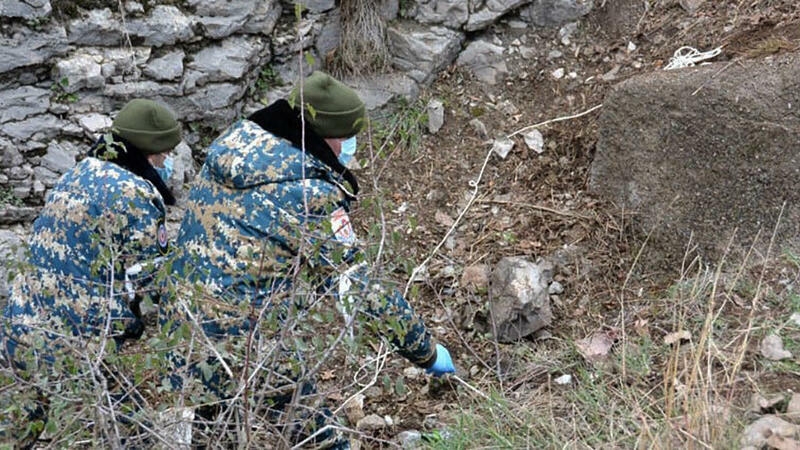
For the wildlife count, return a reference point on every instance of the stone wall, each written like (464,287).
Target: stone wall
(67,67)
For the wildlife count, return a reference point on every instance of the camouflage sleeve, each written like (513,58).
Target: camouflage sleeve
(360,292)
(389,312)
(144,245)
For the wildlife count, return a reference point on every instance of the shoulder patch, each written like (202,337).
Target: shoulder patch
(342,228)
(162,238)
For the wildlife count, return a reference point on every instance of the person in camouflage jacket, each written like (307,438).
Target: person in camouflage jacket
(272,200)
(94,246)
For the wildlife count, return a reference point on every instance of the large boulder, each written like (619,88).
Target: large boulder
(700,153)
(519,298)
(21,47)
(422,52)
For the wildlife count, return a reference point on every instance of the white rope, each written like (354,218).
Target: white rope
(689,56)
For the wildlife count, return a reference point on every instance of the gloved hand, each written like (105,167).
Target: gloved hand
(443,363)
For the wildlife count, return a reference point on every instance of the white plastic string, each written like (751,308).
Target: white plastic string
(689,56)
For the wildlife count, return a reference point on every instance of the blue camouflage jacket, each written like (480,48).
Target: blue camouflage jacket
(99,221)
(260,205)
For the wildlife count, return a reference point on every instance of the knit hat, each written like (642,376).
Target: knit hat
(149,126)
(332,109)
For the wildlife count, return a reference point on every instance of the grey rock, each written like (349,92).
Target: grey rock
(38,188)
(450,13)
(435,116)
(192,79)
(124,59)
(10,215)
(264,18)
(380,90)
(656,157)
(59,157)
(134,7)
(372,422)
(19,173)
(230,60)
(553,13)
(221,27)
(22,190)
(330,34)
(491,11)
(98,28)
(756,434)
(23,102)
(167,67)
(221,18)
(287,41)
(319,6)
(28,9)
(520,304)
(389,9)
(12,252)
(184,172)
(26,47)
(772,348)
(10,157)
(45,126)
(166,25)
(479,128)
(566,32)
(44,177)
(409,439)
(485,60)
(94,123)
(422,52)
(502,146)
(222,8)
(216,103)
(147,89)
(555,288)
(79,71)
(534,140)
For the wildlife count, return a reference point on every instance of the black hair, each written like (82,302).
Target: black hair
(126,155)
(284,121)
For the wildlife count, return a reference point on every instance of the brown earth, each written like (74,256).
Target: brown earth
(538,205)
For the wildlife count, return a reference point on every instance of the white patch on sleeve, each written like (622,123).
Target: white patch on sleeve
(342,228)
(346,303)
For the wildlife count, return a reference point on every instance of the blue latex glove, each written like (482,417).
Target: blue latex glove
(443,363)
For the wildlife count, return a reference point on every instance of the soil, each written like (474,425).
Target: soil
(537,205)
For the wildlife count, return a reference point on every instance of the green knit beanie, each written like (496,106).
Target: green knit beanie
(149,126)
(332,109)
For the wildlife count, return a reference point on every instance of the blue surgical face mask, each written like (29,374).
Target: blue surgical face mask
(166,171)
(348,151)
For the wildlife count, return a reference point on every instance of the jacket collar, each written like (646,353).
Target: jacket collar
(284,122)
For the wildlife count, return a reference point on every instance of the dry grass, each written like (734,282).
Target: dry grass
(650,392)
(362,47)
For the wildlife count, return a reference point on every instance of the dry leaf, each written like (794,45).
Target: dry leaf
(595,347)
(772,348)
(782,443)
(502,147)
(677,336)
(442,218)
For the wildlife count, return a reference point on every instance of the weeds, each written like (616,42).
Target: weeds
(656,393)
(60,94)
(401,131)
(7,197)
(267,79)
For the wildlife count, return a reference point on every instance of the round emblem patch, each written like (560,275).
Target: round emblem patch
(163,239)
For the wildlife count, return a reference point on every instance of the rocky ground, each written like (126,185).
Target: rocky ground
(535,203)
